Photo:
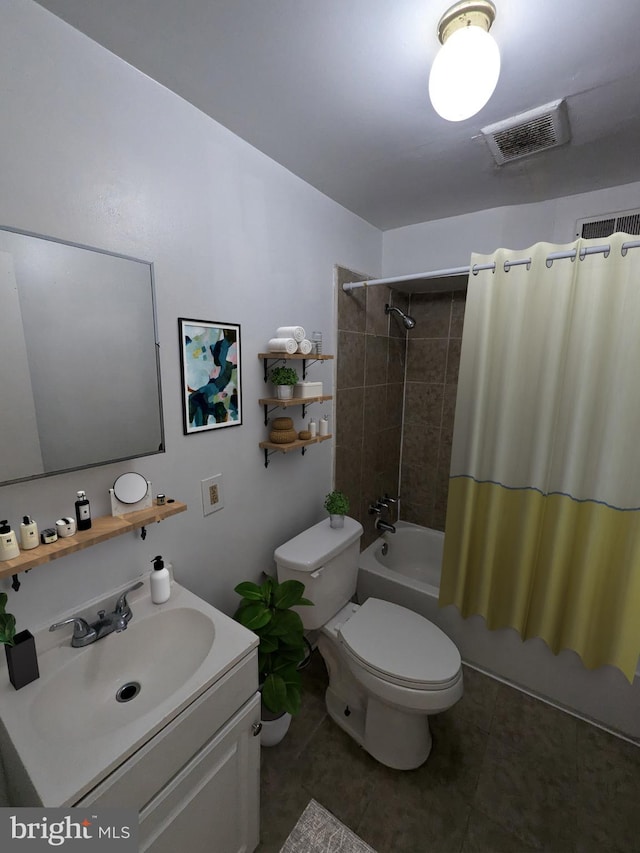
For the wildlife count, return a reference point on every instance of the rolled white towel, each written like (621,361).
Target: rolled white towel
(283,345)
(305,346)
(295,332)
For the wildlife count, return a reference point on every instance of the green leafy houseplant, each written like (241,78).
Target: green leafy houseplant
(7,623)
(283,376)
(336,503)
(266,610)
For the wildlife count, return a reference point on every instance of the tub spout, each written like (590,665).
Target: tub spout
(384,526)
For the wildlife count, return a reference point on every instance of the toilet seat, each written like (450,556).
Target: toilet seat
(401,647)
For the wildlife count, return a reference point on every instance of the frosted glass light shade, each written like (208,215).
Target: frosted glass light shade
(464,74)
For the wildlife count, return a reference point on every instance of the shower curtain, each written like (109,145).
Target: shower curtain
(543,517)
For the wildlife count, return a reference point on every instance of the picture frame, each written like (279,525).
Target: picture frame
(210,375)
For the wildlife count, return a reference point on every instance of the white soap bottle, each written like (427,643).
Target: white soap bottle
(28,534)
(160,581)
(8,542)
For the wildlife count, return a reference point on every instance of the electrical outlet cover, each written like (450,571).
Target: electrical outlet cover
(212,499)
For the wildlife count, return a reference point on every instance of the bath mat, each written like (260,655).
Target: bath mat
(318,831)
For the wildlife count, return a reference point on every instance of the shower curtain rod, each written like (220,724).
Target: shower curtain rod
(476,268)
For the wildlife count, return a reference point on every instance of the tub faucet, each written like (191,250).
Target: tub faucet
(384,526)
(386,500)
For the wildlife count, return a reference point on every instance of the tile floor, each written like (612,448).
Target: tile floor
(507,774)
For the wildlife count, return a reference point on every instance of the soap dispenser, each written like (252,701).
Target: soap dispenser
(28,534)
(160,581)
(8,542)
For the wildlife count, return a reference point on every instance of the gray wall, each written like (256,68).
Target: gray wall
(99,154)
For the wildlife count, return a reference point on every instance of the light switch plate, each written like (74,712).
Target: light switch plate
(212,499)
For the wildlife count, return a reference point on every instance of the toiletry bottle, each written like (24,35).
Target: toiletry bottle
(160,581)
(8,542)
(312,428)
(323,425)
(83,512)
(28,534)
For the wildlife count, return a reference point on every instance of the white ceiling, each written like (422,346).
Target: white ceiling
(336,91)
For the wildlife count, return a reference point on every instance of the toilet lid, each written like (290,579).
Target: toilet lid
(400,645)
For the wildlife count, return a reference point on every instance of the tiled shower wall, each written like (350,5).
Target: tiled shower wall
(433,359)
(377,361)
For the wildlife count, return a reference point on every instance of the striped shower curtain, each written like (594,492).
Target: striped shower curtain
(543,518)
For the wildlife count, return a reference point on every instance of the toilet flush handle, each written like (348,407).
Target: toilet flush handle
(317,572)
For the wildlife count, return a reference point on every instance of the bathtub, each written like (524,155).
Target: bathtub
(404,567)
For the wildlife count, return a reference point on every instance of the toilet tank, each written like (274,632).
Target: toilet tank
(325,560)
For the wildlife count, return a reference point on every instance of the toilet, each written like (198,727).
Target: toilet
(389,668)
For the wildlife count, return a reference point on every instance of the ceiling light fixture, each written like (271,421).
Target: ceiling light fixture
(465,72)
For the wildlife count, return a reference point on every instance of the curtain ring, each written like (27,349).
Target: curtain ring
(549,263)
(474,269)
(607,252)
(507,266)
(583,253)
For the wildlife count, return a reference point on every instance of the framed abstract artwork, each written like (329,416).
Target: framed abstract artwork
(210,374)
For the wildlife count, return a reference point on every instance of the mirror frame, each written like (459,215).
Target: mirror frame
(162,444)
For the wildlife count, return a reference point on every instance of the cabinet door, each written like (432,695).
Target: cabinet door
(212,805)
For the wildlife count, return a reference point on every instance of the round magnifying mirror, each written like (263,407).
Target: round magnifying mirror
(130,488)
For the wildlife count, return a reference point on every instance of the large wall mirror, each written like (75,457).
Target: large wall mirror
(80,372)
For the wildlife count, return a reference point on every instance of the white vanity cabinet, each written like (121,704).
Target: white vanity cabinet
(196,784)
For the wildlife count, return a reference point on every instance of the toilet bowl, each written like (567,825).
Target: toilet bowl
(389,668)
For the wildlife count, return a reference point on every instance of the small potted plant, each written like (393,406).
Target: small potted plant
(337,505)
(20,649)
(266,610)
(284,378)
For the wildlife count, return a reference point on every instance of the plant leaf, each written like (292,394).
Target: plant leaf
(274,693)
(286,622)
(254,616)
(7,628)
(249,590)
(288,594)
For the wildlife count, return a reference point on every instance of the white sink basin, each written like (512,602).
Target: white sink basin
(148,662)
(65,731)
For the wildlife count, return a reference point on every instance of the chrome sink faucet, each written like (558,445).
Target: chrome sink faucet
(85,633)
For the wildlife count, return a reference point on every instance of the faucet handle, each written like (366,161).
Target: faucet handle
(81,627)
(386,500)
(376,508)
(122,606)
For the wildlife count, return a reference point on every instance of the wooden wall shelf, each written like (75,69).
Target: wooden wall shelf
(102,528)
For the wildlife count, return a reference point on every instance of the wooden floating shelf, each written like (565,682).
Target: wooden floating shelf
(294,401)
(310,356)
(293,445)
(102,528)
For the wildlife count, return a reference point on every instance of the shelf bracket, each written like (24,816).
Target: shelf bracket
(275,361)
(267,412)
(267,454)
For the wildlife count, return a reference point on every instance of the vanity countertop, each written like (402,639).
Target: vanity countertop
(64,732)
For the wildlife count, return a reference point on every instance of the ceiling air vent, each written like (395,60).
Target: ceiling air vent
(528,133)
(607,224)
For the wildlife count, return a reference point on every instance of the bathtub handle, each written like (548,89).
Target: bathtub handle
(317,573)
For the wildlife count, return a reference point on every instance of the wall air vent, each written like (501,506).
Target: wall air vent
(528,133)
(627,221)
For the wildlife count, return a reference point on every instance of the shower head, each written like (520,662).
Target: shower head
(407,321)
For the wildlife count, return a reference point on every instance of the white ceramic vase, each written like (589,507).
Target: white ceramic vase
(273,731)
(284,392)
